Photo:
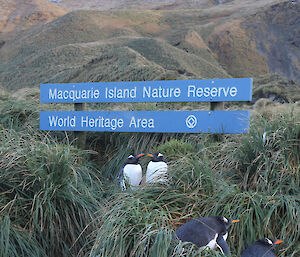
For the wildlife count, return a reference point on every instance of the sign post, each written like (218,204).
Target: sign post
(80,135)
(214,91)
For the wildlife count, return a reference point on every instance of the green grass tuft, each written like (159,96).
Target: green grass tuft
(46,190)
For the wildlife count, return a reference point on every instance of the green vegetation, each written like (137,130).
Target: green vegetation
(57,200)
(46,192)
(276,88)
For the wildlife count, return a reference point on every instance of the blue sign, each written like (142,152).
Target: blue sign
(147,121)
(205,90)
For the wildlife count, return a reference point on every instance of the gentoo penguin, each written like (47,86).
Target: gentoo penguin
(131,172)
(209,231)
(261,248)
(157,169)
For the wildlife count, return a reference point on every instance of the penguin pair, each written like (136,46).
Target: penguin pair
(211,231)
(261,248)
(131,173)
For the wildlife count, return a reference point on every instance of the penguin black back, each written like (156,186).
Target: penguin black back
(205,231)
(261,248)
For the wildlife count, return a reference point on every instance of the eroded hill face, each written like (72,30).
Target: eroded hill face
(16,15)
(135,4)
(276,32)
(266,41)
(216,42)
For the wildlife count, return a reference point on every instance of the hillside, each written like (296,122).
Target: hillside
(72,5)
(134,4)
(222,40)
(16,15)
(61,199)
(64,48)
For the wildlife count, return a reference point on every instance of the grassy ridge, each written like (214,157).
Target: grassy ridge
(57,200)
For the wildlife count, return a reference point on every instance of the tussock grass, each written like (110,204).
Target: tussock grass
(15,114)
(247,177)
(17,242)
(57,200)
(268,158)
(261,215)
(141,224)
(47,191)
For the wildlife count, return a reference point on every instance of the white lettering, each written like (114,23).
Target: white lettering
(52,95)
(96,93)
(101,122)
(52,121)
(84,121)
(145,92)
(161,92)
(199,92)
(177,92)
(62,122)
(119,93)
(151,123)
(74,94)
(60,94)
(193,91)
(132,122)
(213,92)
(233,91)
(206,91)
(144,123)
(225,91)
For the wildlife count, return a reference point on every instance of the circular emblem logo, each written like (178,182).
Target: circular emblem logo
(191,121)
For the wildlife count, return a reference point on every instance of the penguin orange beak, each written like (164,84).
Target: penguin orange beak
(278,242)
(140,155)
(150,155)
(235,221)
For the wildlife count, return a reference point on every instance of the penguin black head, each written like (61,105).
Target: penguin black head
(268,242)
(261,248)
(227,223)
(134,159)
(157,157)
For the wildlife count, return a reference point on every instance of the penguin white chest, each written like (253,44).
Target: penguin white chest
(133,174)
(225,236)
(213,243)
(156,172)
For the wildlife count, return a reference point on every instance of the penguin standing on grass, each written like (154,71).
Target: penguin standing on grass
(209,232)
(131,173)
(261,248)
(157,169)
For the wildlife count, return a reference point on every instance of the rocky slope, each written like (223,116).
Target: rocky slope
(276,33)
